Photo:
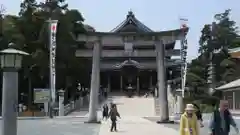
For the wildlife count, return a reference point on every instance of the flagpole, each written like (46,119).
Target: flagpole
(179,103)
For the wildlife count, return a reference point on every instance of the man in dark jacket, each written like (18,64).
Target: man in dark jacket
(221,120)
(113,114)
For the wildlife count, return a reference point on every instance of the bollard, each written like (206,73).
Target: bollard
(61,103)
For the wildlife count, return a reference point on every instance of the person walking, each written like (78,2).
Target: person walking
(105,93)
(199,115)
(113,114)
(188,121)
(221,120)
(105,111)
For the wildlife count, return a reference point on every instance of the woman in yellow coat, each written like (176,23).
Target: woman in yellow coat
(189,122)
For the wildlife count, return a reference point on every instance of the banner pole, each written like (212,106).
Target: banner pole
(52,63)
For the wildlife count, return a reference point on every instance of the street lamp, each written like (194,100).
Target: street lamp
(11,61)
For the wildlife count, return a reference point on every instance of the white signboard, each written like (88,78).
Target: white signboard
(41,95)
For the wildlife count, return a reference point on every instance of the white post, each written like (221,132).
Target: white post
(61,106)
(73,105)
(138,87)
(9,103)
(46,107)
(180,104)
(170,97)
(161,75)
(95,83)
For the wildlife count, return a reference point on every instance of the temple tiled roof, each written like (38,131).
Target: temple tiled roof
(233,50)
(131,19)
(230,85)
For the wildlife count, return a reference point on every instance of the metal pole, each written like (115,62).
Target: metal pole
(9,103)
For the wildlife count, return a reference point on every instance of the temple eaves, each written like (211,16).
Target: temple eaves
(174,32)
(131,19)
(128,63)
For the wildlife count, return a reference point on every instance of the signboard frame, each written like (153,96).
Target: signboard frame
(41,95)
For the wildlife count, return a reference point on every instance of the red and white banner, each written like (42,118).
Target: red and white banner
(183,22)
(52,47)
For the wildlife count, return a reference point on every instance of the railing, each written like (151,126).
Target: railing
(69,108)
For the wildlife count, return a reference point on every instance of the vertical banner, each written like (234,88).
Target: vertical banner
(52,47)
(183,24)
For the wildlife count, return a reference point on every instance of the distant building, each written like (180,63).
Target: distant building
(135,63)
(231,93)
(88,28)
(231,90)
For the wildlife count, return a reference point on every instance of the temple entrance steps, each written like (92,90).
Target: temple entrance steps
(142,93)
(135,106)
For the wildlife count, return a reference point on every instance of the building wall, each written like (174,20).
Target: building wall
(233,99)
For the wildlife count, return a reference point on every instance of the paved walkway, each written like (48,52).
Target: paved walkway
(61,126)
(132,111)
(130,125)
(136,106)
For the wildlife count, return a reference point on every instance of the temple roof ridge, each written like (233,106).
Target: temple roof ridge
(129,19)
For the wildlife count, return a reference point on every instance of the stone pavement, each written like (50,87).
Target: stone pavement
(131,125)
(128,125)
(203,131)
(132,111)
(58,126)
(133,121)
